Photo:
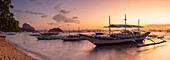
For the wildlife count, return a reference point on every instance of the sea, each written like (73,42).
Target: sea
(85,50)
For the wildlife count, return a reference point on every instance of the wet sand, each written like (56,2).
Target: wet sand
(10,52)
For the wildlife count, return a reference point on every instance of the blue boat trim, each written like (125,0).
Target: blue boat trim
(72,39)
(48,38)
(108,44)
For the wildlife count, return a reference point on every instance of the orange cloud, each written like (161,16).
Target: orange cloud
(157,26)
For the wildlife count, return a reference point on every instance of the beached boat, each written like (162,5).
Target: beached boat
(2,36)
(72,38)
(124,37)
(49,33)
(10,34)
(48,36)
(44,37)
(35,34)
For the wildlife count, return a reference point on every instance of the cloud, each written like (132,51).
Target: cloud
(30,12)
(30,21)
(17,10)
(68,24)
(65,12)
(62,18)
(44,16)
(155,26)
(58,6)
(75,17)
(51,23)
(35,0)
(38,2)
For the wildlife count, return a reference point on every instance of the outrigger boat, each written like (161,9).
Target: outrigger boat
(2,36)
(73,37)
(49,33)
(45,37)
(115,38)
(35,34)
(48,36)
(124,37)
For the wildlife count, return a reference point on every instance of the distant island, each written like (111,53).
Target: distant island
(27,28)
(55,30)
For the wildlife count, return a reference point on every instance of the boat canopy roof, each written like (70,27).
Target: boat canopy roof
(119,26)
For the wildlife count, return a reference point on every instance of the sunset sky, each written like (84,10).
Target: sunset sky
(89,14)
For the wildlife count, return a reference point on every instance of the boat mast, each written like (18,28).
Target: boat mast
(125,24)
(109,26)
(78,30)
(138,24)
(69,31)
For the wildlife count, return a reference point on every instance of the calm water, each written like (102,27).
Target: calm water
(85,50)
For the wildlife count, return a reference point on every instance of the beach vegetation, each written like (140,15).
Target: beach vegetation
(7,21)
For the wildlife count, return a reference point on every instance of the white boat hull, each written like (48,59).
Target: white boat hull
(98,41)
(110,41)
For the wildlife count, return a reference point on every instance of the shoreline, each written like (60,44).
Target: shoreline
(10,52)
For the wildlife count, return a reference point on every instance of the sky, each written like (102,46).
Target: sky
(90,14)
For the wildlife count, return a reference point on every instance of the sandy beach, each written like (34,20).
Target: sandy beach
(10,52)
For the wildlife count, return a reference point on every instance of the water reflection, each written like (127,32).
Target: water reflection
(115,52)
(85,50)
(126,52)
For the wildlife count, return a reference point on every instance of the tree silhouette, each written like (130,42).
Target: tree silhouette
(7,22)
